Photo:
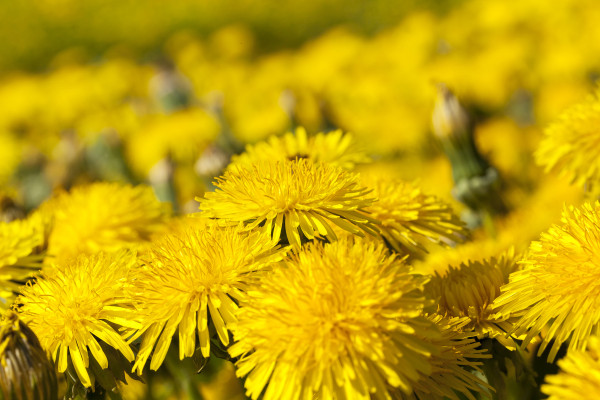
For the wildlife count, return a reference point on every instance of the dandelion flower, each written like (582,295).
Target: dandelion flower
(559,286)
(333,147)
(191,275)
(25,371)
(409,217)
(469,289)
(103,217)
(340,320)
(76,308)
(20,241)
(299,196)
(579,376)
(571,145)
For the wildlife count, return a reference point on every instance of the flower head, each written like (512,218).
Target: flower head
(579,376)
(409,217)
(76,308)
(191,275)
(301,196)
(469,289)
(334,148)
(559,286)
(103,217)
(571,145)
(25,371)
(340,320)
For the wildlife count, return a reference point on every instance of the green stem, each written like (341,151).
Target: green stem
(183,375)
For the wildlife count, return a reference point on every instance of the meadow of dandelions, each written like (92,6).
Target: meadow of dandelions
(403,213)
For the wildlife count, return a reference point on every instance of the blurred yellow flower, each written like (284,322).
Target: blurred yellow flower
(79,305)
(410,218)
(103,217)
(182,135)
(341,320)
(334,148)
(571,145)
(191,274)
(558,286)
(299,195)
(579,376)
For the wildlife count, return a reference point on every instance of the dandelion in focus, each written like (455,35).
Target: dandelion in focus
(298,197)
(334,148)
(468,291)
(559,286)
(194,274)
(410,218)
(78,308)
(341,320)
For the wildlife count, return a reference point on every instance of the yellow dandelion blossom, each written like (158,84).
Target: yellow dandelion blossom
(299,196)
(409,217)
(460,355)
(340,320)
(333,147)
(20,258)
(25,371)
(75,308)
(579,376)
(571,145)
(559,286)
(191,275)
(469,289)
(103,217)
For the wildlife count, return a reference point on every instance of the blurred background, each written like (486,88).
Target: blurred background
(166,92)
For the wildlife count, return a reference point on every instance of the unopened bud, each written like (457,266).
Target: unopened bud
(449,117)
(25,371)
(476,182)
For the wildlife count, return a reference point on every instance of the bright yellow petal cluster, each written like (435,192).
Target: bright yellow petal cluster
(571,145)
(453,366)
(333,147)
(559,286)
(579,376)
(20,254)
(409,217)
(103,217)
(299,197)
(194,274)
(339,321)
(469,290)
(76,306)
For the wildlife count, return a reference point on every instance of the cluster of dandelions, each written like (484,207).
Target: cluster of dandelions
(290,267)
(296,270)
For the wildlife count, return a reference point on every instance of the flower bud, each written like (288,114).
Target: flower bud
(449,117)
(476,182)
(25,371)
